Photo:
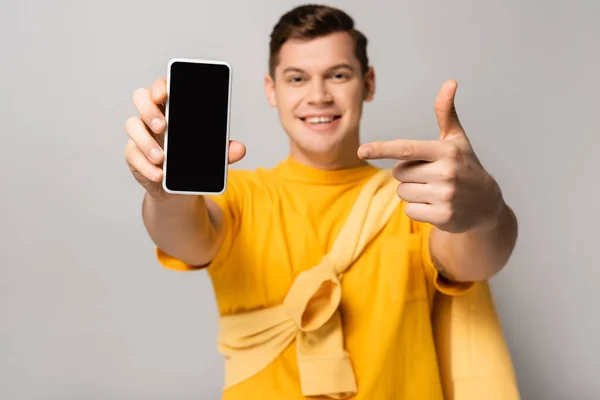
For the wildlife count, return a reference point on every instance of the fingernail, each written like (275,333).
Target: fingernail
(157,124)
(155,154)
(364,151)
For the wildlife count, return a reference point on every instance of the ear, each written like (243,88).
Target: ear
(369,82)
(270,90)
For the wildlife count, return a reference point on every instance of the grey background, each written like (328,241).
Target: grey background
(87,313)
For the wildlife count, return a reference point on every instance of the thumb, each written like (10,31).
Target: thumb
(445,110)
(237,151)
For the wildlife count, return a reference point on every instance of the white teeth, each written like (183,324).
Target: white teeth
(319,120)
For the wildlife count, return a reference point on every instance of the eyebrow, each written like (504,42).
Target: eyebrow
(337,66)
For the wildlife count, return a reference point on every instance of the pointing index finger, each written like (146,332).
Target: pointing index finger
(403,149)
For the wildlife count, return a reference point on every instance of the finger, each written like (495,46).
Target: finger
(413,171)
(159,91)
(237,151)
(420,212)
(149,110)
(138,163)
(403,149)
(433,214)
(445,110)
(424,172)
(416,193)
(137,131)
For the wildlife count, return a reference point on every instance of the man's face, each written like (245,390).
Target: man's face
(319,92)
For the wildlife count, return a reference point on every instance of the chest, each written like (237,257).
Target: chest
(284,233)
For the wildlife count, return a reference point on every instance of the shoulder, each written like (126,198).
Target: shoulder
(250,179)
(243,185)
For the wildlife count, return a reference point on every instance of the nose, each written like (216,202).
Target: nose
(319,93)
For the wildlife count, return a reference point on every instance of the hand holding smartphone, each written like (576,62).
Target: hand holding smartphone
(198,146)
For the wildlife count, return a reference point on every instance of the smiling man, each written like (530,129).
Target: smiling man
(318,81)
(317,301)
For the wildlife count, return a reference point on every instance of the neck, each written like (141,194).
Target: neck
(343,158)
(327,161)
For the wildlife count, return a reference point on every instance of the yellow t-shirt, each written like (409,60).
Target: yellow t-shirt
(282,221)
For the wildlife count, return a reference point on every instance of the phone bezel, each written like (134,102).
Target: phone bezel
(166,133)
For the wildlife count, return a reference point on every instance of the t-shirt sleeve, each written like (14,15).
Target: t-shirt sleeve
(440,283)
(229,204)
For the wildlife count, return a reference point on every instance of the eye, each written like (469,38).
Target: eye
(340,76)
(295,79)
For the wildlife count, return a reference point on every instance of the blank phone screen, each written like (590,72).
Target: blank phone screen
(197,127)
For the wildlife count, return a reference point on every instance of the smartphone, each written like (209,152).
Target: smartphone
(197,112)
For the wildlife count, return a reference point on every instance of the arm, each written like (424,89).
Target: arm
(444,184)
(186,227)
(478,254)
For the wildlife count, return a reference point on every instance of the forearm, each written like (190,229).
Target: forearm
(181,227)
(476,255)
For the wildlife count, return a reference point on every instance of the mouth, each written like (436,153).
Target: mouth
(320,122)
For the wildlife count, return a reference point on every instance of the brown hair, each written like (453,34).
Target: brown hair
(311,21)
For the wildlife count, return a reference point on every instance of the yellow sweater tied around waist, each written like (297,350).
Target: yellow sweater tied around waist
(309,315)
